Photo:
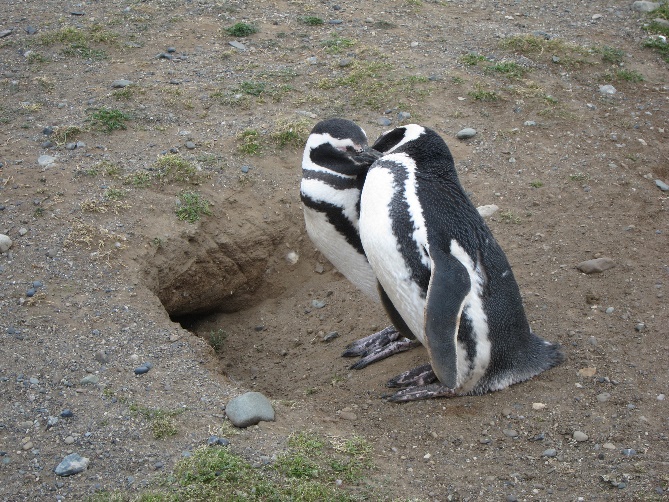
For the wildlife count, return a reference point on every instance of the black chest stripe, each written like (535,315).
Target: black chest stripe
(337,219)
(333,180)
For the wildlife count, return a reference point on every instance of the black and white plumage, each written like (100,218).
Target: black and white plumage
(334,166)
(444,273)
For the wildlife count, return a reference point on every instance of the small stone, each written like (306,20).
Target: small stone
(190,145)
(592,341)
(466,133)
(245,169)
(580,436)
(595,17)
(165,55)
(512,433)
(603,397)
(538,406)
(70,146)
(5,243)
(34,380)
(628,452)
(31,292)
(607,89)
(384,121)
(66,413)
(102,357)
(90,380)
(37,284)
(529,123)
(171,50)
(402,116)
(5,33)
(345,62)
(45,160)
(596,266)
(662,185)
(215,440)
(610,310)
(587,372)
(292,257)
(72,464)
(121,83)
(506,412)
(550,452)
(78,13)
(644,6)
(330,336)
(609,446)
(249,409)
(318,304)
(660,397)
(640,327)
(140,370)
(238,45)
(27,445)
(487,210)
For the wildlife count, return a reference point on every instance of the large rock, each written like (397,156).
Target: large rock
(5,243)
(642,6)
(72,464)
(596,266)
(249,409)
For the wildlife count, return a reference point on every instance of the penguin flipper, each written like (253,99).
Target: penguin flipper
(449,286)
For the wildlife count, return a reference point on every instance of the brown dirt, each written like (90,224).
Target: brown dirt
(113,277)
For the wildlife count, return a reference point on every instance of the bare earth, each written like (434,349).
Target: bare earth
(118,269)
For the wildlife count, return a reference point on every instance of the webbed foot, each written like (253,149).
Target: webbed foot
(417,393)
(378,346)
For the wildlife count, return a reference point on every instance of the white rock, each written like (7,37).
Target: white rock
(607,89)
(487,210)
(46,160)
(292,257)
(643,6)
(538,406)
(5,243)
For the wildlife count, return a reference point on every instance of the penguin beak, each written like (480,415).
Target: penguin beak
(367,156)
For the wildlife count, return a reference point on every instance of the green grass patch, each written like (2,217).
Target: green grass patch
(108,119)
(611,55)
(471,59)
(139,179)
(509,217)
(509,69)
(336,44)
(253,88)
(555,50)
(65,134)
(623,75)
(217,339)
(85,51)
(536,184)
(479,93)
(192,206)
(384,25)
(65,35)
(375,85)
(162,421)
(579,177)
(660,46)
(291,133)
(241,30)
(36,58)
(311,21)
(115,194)
(173,168)
(249,142)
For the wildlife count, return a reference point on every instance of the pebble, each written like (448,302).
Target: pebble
(45,160)
(5,33)
(245,169)
(31,30)
(347,415)
(609,446)
(238,45)
(662,185)
(215,440)
(603,397)
(610,310)
(660,397)
(330,336)
(644,6)
(143,368)
(318,304)
(628,452)
(5,243)
(384,121)
(68,440)
(102,357)
(538,406)
(607,89)
(512,433)
(90,380)
(37,284)
(292,257)
(71,146)
(72,464)
(596,266)
(466,133)
(249,409)
(580,436)
(529,123)
(190,145)
(66,413)
(119,84)
(487,210)
(402,116)
(550,452)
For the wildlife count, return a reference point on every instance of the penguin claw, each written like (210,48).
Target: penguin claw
(378,346)
(421,392)
(421,376)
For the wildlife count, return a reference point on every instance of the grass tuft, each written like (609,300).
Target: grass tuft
(291,133)
(509,69)
(108,120)
(174,168)
(192,206)
(249,142)
(241,30)
(312,21)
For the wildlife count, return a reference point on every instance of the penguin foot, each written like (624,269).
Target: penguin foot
(417,393)
(378,346)
(421,376)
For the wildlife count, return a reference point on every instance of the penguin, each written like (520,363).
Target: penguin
(334,166)
(444,273)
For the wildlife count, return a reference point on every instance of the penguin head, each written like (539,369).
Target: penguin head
(338,145)
(422,144)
